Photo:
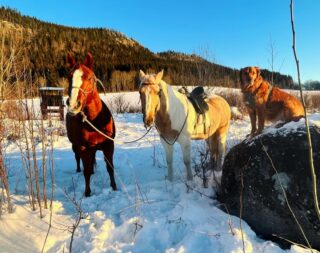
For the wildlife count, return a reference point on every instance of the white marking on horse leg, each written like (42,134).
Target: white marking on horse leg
(76,84)
(186,151)
(169,157)
(221,151)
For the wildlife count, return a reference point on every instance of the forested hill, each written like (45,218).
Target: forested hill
(117,58)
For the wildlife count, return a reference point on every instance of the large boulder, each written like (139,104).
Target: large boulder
(248,169)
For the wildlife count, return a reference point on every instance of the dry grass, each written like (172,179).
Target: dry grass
(11,109)
(312,99)
(234,98)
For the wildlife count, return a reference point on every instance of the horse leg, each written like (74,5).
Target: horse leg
(87,161)
(186,152)
(213,148)
(93,162)
(108,157)
(169,153)
(222,139)
(77,156)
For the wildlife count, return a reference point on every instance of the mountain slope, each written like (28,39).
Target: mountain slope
(117,58)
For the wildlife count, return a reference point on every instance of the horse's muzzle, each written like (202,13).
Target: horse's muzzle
(73,111)
(148,122)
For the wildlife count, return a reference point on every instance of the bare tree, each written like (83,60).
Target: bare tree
(273,58)
(273,55)
(312,169)
(203,72)
(11,65)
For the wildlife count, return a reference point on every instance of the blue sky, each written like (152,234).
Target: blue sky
(234,33)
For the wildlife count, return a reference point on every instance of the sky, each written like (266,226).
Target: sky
(233,33)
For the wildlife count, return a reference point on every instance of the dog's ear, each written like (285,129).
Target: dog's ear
(258,71)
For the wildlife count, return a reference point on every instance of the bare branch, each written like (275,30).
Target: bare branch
(311,163)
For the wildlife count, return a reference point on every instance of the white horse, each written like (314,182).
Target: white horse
(177,121)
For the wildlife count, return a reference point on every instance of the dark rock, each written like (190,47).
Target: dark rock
(264,204)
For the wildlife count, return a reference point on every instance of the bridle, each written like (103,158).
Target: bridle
(158,94)
(151,84)
(93,86)
(171,143)
(85,119)
(86,93)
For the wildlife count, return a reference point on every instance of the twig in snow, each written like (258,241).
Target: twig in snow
(52,193)
(241,211)
(294,243)
(206,233)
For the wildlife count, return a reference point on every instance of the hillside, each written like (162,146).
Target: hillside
(117,58)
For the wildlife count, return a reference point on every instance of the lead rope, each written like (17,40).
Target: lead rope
(178,135)
(85,119)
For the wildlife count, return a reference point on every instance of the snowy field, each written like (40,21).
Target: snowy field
(146,214)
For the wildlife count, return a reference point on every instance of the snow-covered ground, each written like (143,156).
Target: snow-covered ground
(146,214)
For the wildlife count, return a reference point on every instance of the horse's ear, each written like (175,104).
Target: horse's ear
(141,74)
(88,61)
(71,62)
(159,77)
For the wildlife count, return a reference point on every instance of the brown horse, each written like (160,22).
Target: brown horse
(83,100)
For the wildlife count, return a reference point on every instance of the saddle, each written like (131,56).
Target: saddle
(197,98)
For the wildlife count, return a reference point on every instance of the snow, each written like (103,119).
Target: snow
(146,214)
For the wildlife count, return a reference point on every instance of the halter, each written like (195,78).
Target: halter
(150,84)
(171,143)
(87,92)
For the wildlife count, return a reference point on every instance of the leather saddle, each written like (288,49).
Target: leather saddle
(197,98)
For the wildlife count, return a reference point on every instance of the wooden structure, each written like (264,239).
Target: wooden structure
(51,102)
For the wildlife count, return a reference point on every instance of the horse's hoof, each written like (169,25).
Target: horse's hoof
(114,187)
(78,171)
(169,178)
(87,193)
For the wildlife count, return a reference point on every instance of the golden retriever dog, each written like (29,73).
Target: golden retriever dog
(267,102)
